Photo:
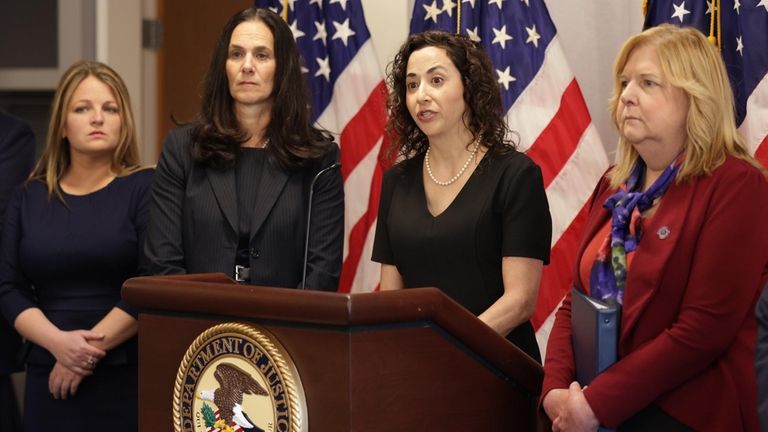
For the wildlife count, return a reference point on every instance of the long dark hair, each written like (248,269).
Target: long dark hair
(217,135)
(481,95)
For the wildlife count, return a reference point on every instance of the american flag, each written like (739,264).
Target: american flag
(348,99)
(545,107)
(744,46)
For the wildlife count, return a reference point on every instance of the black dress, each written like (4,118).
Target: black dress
(501,211)
(71,263)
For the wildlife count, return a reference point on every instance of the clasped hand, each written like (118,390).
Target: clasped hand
(569,410)
(63,382)
(75,359)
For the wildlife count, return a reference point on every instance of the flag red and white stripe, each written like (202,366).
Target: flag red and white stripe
(754,128)
(357,109)
(556,131)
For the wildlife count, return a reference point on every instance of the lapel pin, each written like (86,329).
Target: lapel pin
(663,232)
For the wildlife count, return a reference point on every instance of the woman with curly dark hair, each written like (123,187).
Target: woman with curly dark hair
(463,211)
(232,189)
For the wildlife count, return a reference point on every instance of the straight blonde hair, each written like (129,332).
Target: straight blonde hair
(692,64)
(56,155)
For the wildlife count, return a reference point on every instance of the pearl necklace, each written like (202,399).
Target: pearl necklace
(458,174)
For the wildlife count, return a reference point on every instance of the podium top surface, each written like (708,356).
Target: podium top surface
(216,294)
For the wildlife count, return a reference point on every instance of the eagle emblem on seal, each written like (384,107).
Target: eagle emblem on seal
(234,384)
(235,377)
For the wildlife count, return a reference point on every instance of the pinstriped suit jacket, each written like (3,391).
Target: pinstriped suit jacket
(194,220)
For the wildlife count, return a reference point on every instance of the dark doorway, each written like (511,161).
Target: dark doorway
(190,30)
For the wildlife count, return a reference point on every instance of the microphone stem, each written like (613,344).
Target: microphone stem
(309,221)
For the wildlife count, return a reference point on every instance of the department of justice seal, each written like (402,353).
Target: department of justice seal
(235,378)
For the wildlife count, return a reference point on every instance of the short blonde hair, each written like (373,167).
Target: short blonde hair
(56,158)
(692,64)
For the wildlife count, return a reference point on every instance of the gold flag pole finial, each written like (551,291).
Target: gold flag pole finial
(645,7)
(713,39)
(285,10)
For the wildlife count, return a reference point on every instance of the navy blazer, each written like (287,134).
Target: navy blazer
(194,219)
(17,155)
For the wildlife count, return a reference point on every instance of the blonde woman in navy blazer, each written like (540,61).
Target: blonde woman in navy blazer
(71,236)
(232,189)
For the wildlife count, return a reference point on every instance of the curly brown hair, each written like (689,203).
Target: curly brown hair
(481,95)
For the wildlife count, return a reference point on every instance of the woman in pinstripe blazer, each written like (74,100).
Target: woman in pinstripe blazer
(232,190)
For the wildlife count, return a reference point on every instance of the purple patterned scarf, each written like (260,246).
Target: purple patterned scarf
(608,275)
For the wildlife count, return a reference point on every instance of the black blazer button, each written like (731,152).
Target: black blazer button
(255,253)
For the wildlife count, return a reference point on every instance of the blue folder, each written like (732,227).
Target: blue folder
(595,334)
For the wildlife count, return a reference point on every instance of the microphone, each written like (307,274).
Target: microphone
(309,219)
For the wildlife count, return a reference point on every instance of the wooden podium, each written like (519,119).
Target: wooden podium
(411,360)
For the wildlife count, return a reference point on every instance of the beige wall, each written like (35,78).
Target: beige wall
(118,43)
(592,33)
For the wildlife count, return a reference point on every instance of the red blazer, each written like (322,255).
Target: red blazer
(688,328)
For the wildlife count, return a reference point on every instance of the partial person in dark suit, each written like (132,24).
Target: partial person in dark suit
(761,359)
(17,154)
(72,235)
(232,189)
(676,234)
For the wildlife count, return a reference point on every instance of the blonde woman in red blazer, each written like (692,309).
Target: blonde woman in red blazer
(687,337)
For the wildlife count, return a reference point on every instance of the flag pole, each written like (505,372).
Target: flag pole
(458,18)
(714,40)
(719,20)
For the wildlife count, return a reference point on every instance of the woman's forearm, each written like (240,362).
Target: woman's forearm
(117,327)
(516,305)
